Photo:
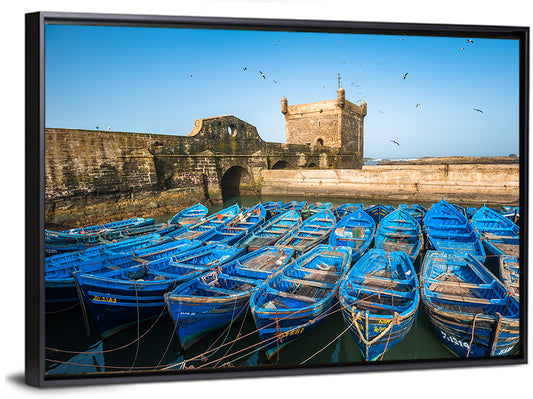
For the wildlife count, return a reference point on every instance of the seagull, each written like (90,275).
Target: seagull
(417,105)
(262,75)
(395,142)
(276,43)
(400,39)
(404,76)
(469,41)
(382,112)
(478,110)
(190,76)
(108,128)
(97,127)
(275,81)
(244,69)
(462,48)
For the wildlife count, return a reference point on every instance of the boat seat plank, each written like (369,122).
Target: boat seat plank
(295,296)
(311,283)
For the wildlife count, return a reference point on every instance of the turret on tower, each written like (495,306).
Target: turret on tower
(332,123)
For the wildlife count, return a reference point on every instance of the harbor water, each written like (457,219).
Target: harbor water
(74,348)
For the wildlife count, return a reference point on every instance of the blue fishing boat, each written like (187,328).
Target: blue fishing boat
(287,206)
(313,231)
(470,310)
(100,252)
(117,299)
(299,298)
(314,208)
(217,298)
(212,222)
(449,231)
(510,273)
(356,231)
(379,300)
(415,210)
(511,213)
(378,212)
(60,289)
(500,236)
(345,209)
(236,228)
(107,237)
(189,216)
(270,232)
(399,231)
(272,208)
(79,234)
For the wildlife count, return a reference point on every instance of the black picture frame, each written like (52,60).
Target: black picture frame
(34,177)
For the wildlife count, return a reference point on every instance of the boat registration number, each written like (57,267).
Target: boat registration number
(97,298)
(291,332)
(454,340)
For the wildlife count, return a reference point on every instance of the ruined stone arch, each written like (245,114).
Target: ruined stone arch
(281,164)
(235,181)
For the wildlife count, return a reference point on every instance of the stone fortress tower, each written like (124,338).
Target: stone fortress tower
(333,123)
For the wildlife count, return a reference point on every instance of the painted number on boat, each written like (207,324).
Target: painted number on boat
(453,340)
(104,299)
(291,332)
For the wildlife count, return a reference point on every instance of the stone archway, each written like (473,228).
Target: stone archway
(235,182)
(281,165)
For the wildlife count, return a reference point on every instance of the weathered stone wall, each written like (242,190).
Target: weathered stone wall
(90,170)
(466,183)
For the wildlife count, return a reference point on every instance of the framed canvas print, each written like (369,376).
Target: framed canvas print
(222,197)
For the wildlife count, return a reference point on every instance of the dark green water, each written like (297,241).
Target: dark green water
(71,351)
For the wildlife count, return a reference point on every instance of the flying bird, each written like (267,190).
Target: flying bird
(244,69)
(469,41)
(275,81)
(190,76)
(462,48)
(262,75)
(108,128)
(404,76)
(417,105)
(381,112)
(400,39)
(395,142)
(276,43)
(478,110)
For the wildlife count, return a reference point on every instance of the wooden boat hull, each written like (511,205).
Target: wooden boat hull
(219,298)
(271,232)
(500,236)
(60,287)
(346,209)
(118,299)
(471,312)
(189,216)
(510,274)
(117,305)
(310,233)
(399,231)
(343,234)
(378,212)
(197,317)
(448,231)
(379,299)
(298,299)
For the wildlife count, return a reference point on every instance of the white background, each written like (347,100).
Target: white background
(491,382)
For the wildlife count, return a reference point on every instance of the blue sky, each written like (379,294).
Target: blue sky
(139,80)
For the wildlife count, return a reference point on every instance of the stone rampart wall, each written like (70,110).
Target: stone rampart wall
(464,183)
